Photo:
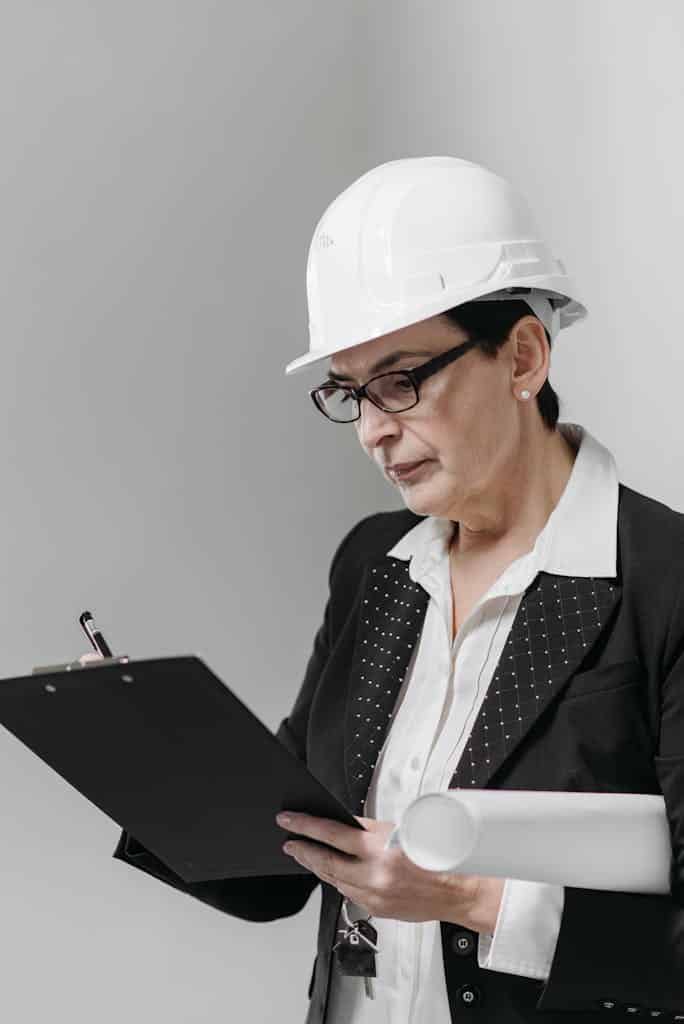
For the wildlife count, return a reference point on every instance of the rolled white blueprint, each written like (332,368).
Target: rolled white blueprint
(613,841)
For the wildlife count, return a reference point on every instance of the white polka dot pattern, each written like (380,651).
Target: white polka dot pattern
(392,616)
(558,620)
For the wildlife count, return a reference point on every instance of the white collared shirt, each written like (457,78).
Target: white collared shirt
(437,705)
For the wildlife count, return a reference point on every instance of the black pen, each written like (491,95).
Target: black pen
(94,635)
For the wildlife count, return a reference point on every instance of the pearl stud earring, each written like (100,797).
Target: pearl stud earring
(525,394)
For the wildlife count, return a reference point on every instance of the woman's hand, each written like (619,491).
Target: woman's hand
(385,882)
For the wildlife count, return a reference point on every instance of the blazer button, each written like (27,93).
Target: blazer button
(632,1009)
(609,1004)
(469,995)
(462,943)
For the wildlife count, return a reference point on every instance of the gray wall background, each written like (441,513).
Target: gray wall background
(163,167)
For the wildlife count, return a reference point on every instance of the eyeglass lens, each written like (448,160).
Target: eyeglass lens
(393,392)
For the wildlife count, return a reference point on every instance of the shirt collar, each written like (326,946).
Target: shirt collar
(578,539)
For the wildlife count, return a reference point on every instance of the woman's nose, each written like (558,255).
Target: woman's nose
(374,424)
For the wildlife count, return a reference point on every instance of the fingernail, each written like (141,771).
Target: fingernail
(283,818)
(287,848)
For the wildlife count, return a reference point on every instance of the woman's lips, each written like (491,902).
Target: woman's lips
(408,469)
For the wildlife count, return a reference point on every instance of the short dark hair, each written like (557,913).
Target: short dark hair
(490,324)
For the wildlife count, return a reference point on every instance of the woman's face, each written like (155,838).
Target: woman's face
(467,424)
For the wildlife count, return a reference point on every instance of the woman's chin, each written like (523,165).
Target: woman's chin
(421,504)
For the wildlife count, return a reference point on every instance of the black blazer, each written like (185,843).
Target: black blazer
(612,720)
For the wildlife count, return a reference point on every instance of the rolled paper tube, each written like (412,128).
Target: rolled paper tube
(611,841)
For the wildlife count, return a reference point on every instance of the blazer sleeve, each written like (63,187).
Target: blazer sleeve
(262,897)
(625,951)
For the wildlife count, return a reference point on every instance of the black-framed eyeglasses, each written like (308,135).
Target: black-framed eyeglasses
(395,391)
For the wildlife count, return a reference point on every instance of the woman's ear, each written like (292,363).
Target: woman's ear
(530,354)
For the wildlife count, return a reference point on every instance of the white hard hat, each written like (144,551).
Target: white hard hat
(412,238)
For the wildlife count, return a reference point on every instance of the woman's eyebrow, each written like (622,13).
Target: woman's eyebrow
(381,364)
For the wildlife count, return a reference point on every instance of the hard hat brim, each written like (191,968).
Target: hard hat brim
(569,314)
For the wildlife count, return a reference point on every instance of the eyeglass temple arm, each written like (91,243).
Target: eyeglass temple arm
(418,374)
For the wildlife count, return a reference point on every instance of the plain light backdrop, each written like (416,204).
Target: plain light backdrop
(163,167)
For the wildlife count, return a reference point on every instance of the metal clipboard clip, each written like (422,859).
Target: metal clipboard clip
(73,666)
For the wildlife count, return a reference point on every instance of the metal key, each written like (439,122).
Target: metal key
(356,950)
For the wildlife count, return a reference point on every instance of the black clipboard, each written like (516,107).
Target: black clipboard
(169,752)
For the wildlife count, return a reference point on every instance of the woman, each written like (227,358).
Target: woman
(520,625)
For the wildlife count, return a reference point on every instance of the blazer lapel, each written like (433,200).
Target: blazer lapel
(392,613)
(558,621)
